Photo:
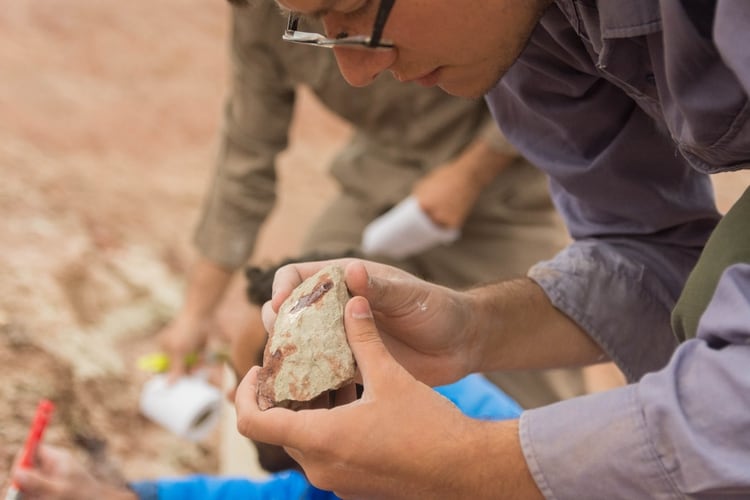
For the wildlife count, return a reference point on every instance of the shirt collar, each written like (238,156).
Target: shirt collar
(616,18)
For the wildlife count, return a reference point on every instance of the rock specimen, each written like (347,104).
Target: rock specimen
(307,354)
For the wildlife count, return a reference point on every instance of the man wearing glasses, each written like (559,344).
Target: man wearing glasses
(627,106)
(406,140)
(343,39)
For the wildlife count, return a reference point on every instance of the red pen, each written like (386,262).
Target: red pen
(26,460)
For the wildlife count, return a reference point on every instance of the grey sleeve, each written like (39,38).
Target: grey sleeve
(681,432)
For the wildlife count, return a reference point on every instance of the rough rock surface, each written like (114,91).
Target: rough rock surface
(308,353)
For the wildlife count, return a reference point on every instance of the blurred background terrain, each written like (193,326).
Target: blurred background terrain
(108,125)
(108,128)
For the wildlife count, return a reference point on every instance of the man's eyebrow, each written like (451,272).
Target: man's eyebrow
(316,14)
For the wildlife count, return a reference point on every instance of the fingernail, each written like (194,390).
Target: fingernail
(361,310)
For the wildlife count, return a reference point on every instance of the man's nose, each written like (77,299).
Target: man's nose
(360,67)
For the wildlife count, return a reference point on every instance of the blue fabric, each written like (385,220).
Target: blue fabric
(479,398)
(286,485)
(474,395)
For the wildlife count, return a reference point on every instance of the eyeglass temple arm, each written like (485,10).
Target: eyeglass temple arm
(292,22)
(382,15)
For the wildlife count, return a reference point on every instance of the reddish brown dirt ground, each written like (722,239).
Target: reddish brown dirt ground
(108,119)
(108,124)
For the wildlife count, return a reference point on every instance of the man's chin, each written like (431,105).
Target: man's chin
(467,92)
(467,88)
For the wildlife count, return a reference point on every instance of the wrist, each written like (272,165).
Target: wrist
(483,458)
(483,163)
(502,315)
(481,319)
(500,463)
(206,286)
(191,320)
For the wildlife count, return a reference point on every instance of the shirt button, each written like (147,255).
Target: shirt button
(650,78)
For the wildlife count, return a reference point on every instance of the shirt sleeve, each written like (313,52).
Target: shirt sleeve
(638,212)
(255,129)
(681,432)
(732,37)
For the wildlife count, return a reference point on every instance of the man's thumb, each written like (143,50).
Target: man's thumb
(364,339)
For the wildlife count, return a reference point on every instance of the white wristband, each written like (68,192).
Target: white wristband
(403,231)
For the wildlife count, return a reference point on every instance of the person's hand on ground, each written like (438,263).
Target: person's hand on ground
(59,476)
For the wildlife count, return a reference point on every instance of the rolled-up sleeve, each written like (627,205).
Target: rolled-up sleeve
(637,210)
(607,287)
(681,432)
(256,121)
(640,215)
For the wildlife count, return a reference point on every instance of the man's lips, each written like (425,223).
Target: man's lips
(428,79)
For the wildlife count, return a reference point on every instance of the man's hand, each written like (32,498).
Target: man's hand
(58,476)
(440,335)
(422,324)
(400,440)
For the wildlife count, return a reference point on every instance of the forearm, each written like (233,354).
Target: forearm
(448,193)
(206,285)
(482,162)
(498,464)
(515,326)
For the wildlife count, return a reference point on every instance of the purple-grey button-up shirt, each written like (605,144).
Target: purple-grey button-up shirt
(626,105)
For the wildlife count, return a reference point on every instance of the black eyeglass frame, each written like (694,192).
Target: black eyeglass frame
(374,41)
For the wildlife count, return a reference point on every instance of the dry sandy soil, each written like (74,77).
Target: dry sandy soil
(108,119)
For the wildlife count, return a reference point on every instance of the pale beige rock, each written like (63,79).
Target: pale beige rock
(307,354)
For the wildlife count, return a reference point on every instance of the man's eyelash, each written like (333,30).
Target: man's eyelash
(303,17)
(317,16)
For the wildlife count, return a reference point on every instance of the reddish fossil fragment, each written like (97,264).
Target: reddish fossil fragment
(307,354)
